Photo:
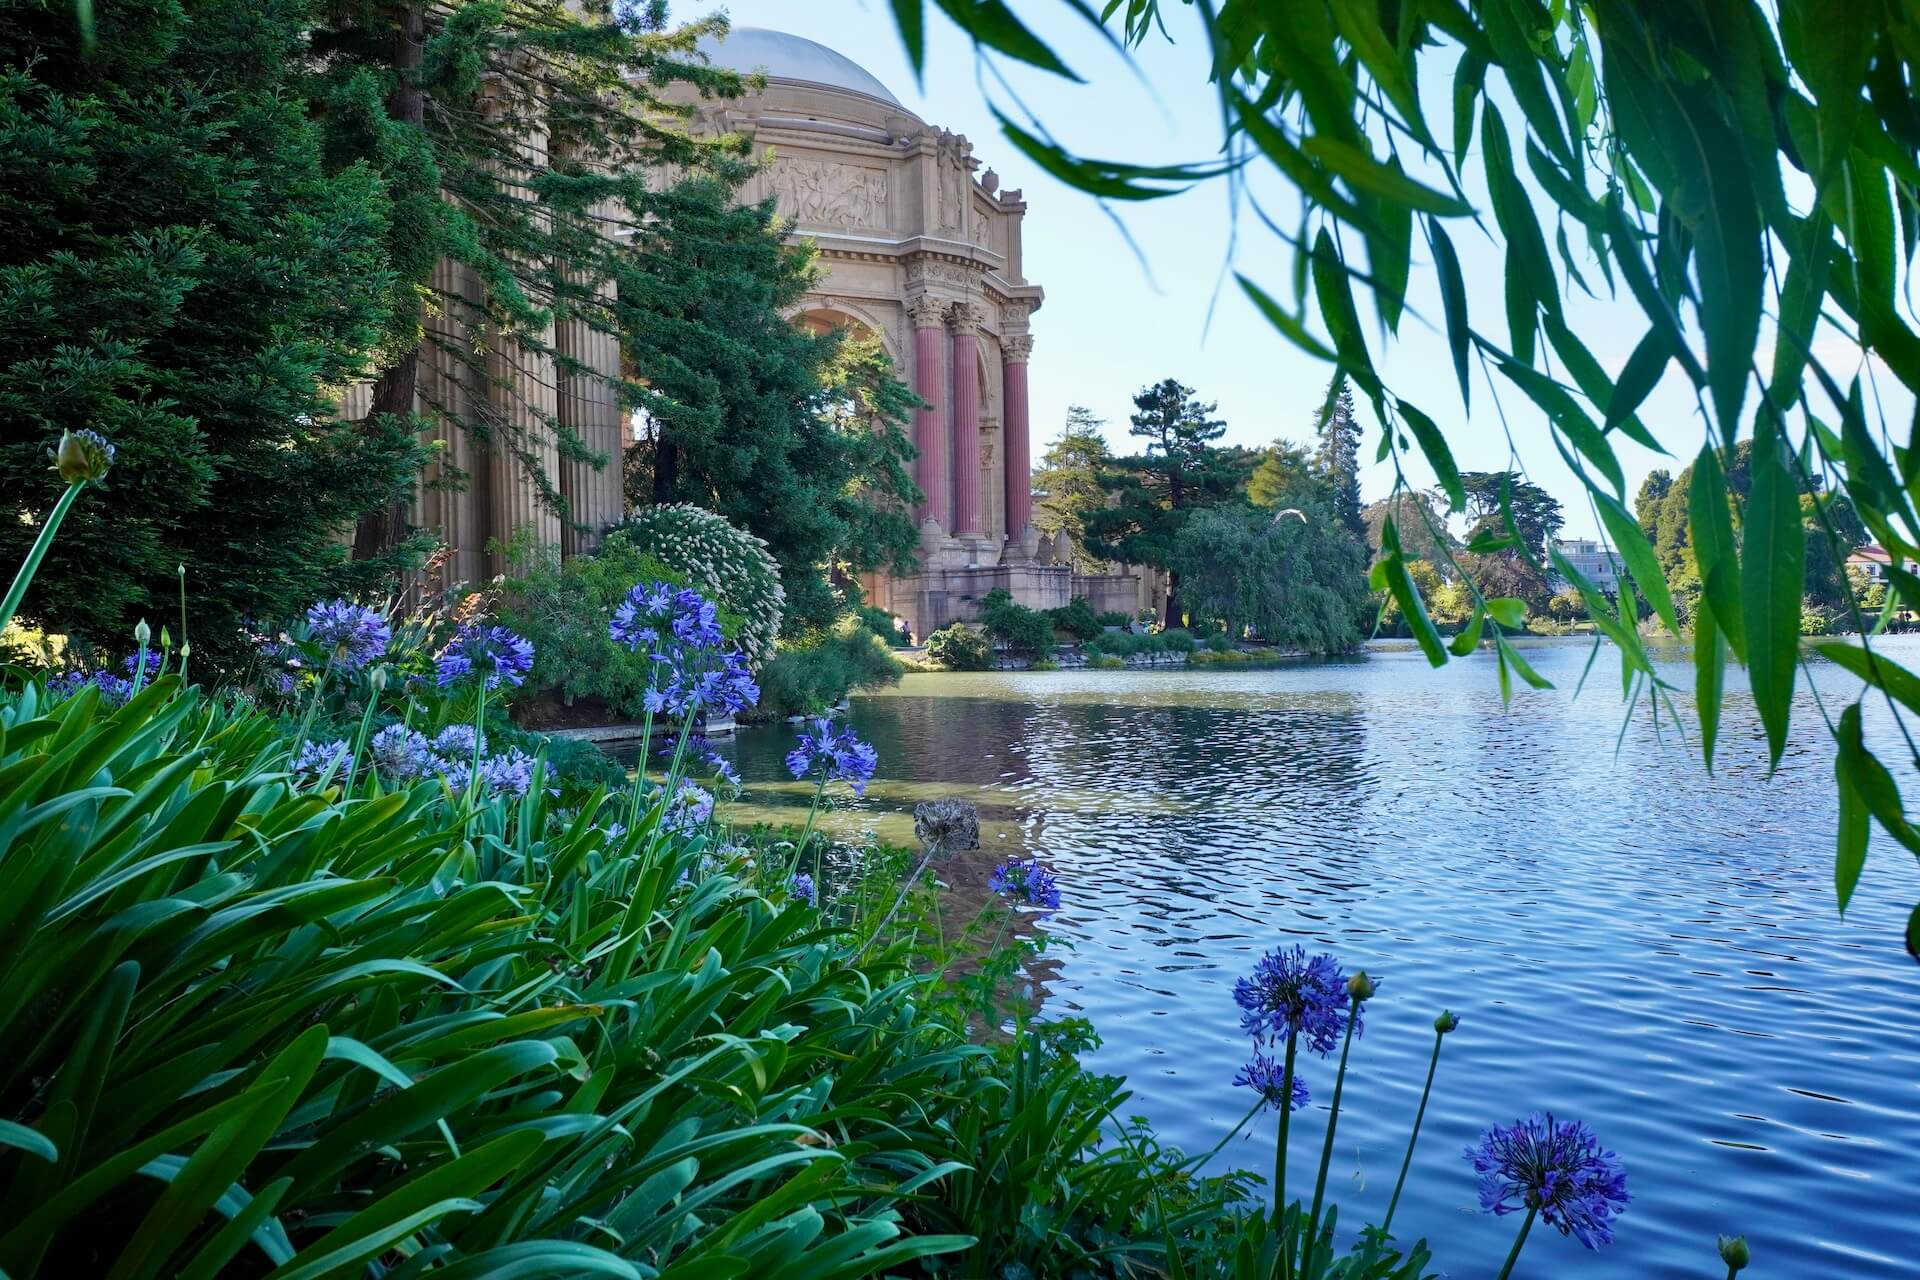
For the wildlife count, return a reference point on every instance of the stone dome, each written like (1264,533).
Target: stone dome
(789,57)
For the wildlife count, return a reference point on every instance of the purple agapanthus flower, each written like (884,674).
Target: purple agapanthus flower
(689,809)
(701,751)
(353,633)
(149,659)
(693,669)
(1291,994)
(802,887)
(834,755)
(1266,1075)
(1026,880)
(400,754)
(510,773)
(1557,1167)
(316,758)
(114,689)
(495,654)
(457,742)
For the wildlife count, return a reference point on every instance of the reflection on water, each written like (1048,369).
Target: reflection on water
(1627,940)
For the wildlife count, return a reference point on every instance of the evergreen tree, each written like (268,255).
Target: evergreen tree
(181,272)
(1283,468)
(795,434)
(523,140)
(1536,513)
(1421,522)
(1338,456)
(1179,472)
(1068,484)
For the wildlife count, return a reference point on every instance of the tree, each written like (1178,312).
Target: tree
(1536,513)
(795,435)
(1421,523)
(1284,468)
(522,141)
(1298,583)
(181,273)
(1337,457)
(1155,492)
(1068,484)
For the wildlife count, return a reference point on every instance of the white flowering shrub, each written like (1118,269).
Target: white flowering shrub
(727,564)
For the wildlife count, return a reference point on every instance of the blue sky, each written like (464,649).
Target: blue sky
(1112,324)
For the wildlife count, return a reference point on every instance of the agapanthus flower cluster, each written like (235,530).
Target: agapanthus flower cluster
(401,754)
(495,654)
(689,809)
(1557,1167)
(352,634)
(147,661)
(1026,880)
(1266,1075)
(1291,993)
(316,758)
(694,670)
(701,752)
(83,455)
(834,755)
(509,773)
(114,689)
(459,742)
(801,887)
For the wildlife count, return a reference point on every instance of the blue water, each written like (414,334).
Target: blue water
(1627,940)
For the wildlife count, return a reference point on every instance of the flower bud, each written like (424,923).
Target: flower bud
(377,678)
(186,650)
(83,456)
(1734,1252)
(1360,987)
(142,633)
(1446,1022)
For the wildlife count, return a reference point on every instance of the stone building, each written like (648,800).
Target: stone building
(920,248)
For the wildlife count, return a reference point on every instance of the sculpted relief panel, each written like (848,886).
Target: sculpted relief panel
(824,191)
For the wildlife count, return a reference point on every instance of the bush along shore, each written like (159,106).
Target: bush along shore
(413,1001)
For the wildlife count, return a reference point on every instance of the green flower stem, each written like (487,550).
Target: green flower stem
(31,565)
(1513,1255)
(360,743)
(640,773)
(185,647)
(1283,1255)
(1418,1116)
(313,709)
(1326,1148)
(680,752)
(813,810)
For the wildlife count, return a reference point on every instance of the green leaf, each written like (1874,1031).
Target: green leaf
(1513,209)
(1469,637)
(1913,934)
(31,1141)
(1634,548)
(1875,669)
(1721,209)
(1278,316)
(1391,572)
(992,23)
(1633,269)
(1710,529)
(1850,854)
(1709,677)
(1339,314)
(1509,28)
(1363,173)
(1107,179)
(1434,445)
(1800,298)
(1772,581)
(1359,23)
(1469,80)
(911,17)
(1870,780)
(1638,378)
(1453,299)
(1510,656)
(1569,417)
(1508,612)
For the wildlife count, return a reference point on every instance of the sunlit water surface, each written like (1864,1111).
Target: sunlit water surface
(1627,940)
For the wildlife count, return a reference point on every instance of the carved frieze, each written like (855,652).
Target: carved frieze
(824,192)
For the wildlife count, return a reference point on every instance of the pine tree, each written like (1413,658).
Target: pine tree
(1068,482)
(181,272)
(1284,469)
(523,140)
(794,434)
(1180,471)
(1337,457)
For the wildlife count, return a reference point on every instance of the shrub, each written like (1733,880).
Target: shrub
(1218,642)
(808,676)
(1176,640)
(1114,618)
(729,565)
(1021,629)
(1076,619)
(1108,662)
(563,608)
(882,624)
(959,648)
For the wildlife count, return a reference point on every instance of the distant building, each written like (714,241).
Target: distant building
(1871,559)
(1599,565)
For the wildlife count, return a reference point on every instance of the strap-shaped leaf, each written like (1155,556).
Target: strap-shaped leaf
(1772,575)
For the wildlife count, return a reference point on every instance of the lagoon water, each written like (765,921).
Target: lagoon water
(1626,940)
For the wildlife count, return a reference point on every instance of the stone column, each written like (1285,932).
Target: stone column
(453,495)
(1014,351)
(590,408)
(966,317)
(930,468)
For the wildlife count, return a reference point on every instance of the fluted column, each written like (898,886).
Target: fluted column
(929,438)
(1014,351)
(590,408)
(453,494)
(965,317)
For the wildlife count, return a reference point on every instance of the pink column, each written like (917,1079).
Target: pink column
(1014,351)
(930,468)
(965,318)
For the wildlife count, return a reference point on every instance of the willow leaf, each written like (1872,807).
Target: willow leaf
(1453,299)
(1710,528)
(1772,581)
(1434,445)
(1634,548)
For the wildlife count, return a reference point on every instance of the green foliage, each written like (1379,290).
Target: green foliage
(183,274)
(794,432)
(563,607)
(1077,619)
(1337,459)
(723,562)
(1067,483)
(807,675)
(960,648)
(1157,491)
(1114,618)
(1299,582)
(882,624)
(1421,520)
(1021,629)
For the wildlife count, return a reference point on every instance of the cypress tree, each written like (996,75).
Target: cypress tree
(1338,457)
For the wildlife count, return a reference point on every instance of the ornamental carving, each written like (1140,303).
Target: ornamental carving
(924,271)
(953,179)
(821,191)
(926,311)
(966,316)
(1015,348)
